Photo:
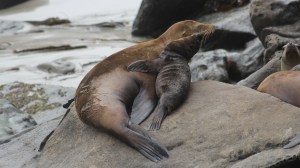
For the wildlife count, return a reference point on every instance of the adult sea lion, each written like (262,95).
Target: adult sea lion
(109,93)
(174,75)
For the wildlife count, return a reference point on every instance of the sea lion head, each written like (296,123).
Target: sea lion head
(290,56)
(186,47)
(186,28)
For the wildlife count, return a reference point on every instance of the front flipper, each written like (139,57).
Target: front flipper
(143,104)
(293,142)
(144,66)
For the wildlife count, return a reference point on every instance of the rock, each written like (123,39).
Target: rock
(211,65)
(269,13)
(253,80)
(219,125)
(276,38)
(12,120)
(154,17)
(50,22)
(9,3)
(220,38)
(42,102)
(245,63)
(110,24)
(236,20)
(50,48)
(58,66)
(24,149)
(222,65)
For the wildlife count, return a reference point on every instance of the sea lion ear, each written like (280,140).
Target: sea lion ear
(142,66)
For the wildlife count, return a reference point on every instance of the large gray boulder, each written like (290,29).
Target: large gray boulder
(9,3)
(154,17)
(219,125)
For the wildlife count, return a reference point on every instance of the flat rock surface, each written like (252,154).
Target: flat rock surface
(24,147)
(219,125)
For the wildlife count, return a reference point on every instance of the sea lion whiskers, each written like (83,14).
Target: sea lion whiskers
(206,34)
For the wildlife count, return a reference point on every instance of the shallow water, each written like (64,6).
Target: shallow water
(100,42)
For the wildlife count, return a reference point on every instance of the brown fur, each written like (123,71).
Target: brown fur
(283,85)
(106,94)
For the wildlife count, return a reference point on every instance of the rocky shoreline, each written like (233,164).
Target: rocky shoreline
(220,125)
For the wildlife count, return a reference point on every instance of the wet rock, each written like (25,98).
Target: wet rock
(227,66)
(211,65)
(10,26)
(13,120)
(247,130)
(50,22)
(42,102)
(58,66)
(9,3)
(50,48)
(110,24)
(154,17)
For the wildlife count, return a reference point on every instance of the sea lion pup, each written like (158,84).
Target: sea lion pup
(290,57)
(174,75)
(109,94)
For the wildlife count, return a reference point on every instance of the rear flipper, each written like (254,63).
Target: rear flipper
(139,129)
(159,115)
(147,147)
(293,142)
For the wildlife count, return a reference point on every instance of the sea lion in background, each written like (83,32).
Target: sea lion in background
(174,75)
(109,93)
(290,57)
(285,84)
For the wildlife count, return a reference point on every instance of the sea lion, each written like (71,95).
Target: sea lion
(174,75)
(290,57)
(109,93)
(285,86)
